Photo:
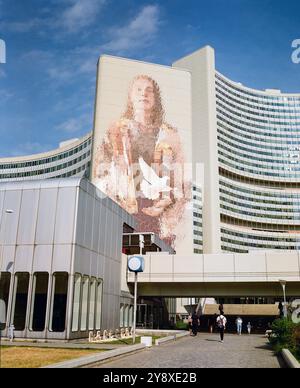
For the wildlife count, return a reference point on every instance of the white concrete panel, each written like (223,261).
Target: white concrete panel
(96,226)
(46,216)
(9,221)
(2,195)
(42,258)
(7,254)
(100,266)
(161,268)
(190,267)
(81,216)
(88,221)
(28,217)
(24,258)
(219,267)
(250,266)
(62,257)
(65,216)
(283,265)
(93,264)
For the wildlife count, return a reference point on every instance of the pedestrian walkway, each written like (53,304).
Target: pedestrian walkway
(204,351)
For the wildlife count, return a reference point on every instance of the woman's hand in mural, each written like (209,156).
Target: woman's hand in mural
(158,208)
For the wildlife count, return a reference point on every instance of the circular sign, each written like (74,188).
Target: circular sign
(136,264)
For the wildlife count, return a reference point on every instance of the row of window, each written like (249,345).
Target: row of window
(46,170)
(259,245)
(289,152)
(87,303)
(259,168)
(272,217)
(268,100)
(288,116)
(241,204)
(48,160)
(257,120)
(220,90)
(126,315)
(259,238)
(262,201)
(253,157)
(286,142)
(27,297)
(246,126)
(280,195)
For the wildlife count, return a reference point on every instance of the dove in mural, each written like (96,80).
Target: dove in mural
(152,185)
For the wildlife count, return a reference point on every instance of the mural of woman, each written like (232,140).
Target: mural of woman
(140,163)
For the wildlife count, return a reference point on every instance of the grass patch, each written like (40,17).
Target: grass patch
(32,357)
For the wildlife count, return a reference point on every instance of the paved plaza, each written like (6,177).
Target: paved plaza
(204,351)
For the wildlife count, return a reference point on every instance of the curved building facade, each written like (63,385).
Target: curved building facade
(72,158)
(259,167)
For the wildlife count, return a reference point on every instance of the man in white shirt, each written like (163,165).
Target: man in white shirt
(221,322)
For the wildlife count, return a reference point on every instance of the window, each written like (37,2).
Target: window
(20,300)
(39,301)
(4,288)
(99,304)
(92,304)
(76,302)
(84,303)
(59,302)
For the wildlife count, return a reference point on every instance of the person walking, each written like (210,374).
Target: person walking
(249,327)
(190,323)
(221,322)
(239,323)
(195,323)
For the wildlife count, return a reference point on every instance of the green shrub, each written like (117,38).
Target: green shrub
(180,325)
(286,335)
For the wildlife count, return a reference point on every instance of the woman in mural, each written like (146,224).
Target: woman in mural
(140,163)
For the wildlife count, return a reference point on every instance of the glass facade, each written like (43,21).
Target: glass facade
(259,167)
(71,160)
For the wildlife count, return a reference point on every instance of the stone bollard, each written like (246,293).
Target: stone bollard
(110,334)
(105,334)
(98,336)
(122,333)
(127,334)
(91,336)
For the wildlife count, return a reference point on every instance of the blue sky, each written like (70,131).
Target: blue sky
(47,86)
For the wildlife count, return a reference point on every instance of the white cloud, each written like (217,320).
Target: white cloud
(29,148)
(138,33)
(75,125)
(80,14)
(23,26)
(73,17)
(2,73)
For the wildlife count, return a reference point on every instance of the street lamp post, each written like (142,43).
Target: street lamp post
(136,264)
(283,285)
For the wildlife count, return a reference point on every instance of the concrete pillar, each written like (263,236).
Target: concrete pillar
(201,64)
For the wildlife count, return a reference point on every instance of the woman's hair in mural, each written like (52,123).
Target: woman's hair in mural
(157,114)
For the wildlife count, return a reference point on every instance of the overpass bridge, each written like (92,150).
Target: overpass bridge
(255,274)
